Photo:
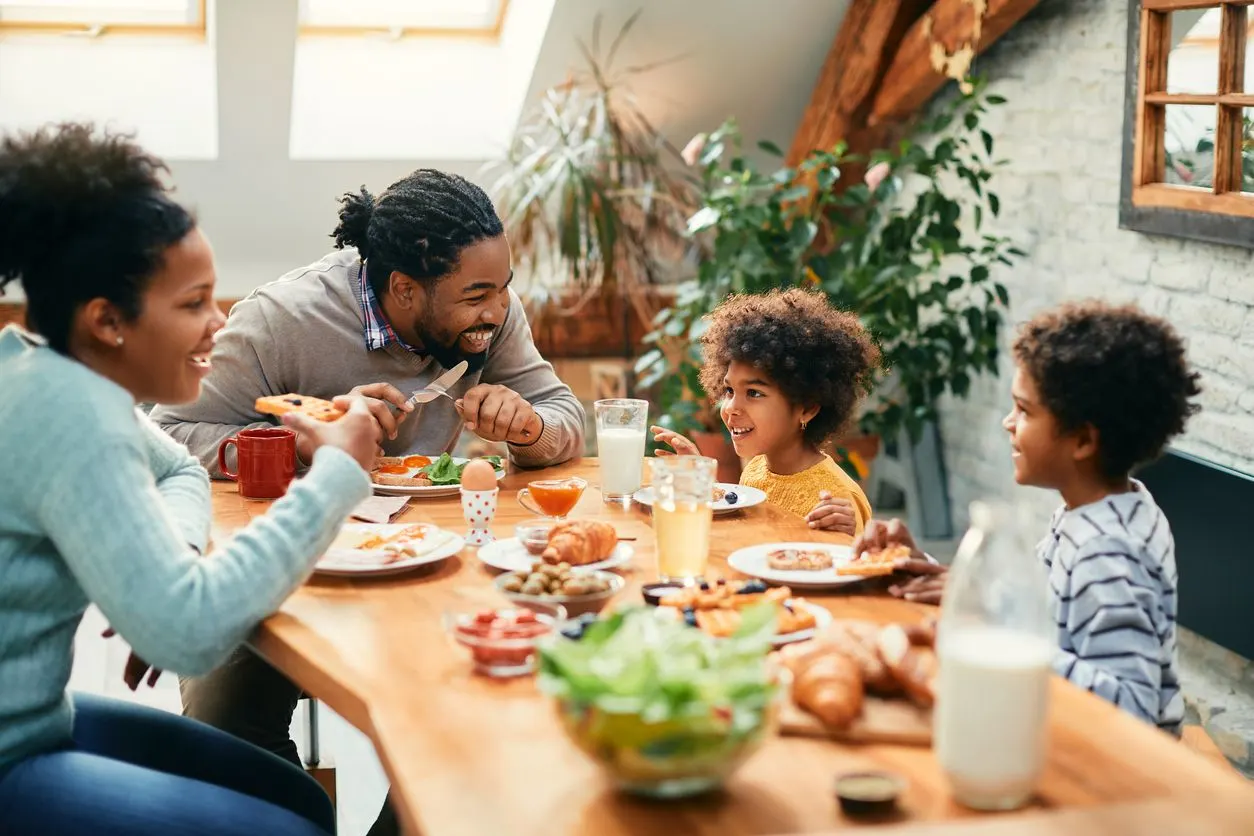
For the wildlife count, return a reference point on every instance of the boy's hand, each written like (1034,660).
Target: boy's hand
(833,514)
(681,445)
(879,535)
(926,587)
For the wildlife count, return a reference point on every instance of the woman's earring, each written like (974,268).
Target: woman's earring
(803,425)
(119,341)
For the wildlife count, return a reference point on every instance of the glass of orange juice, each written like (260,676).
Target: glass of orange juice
(683,486)
(553,498)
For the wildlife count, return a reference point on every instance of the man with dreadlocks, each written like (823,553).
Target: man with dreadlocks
(420,282)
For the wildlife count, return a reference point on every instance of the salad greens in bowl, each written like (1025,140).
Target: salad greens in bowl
(669,711)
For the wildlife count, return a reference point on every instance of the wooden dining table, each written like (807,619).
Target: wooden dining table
(467,754)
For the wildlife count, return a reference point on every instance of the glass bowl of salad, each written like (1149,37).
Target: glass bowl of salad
(668,711)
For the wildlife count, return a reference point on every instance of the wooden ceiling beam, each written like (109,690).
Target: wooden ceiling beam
(868,37)
(941,45)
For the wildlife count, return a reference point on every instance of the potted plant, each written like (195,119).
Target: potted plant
(905,249)
(589,192)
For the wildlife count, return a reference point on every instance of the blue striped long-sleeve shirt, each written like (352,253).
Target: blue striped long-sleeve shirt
(1112,578)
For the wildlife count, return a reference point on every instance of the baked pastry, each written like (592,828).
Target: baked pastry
(580,542)
(732,595)
(858,640)
(388,461)
(315,408)
(796,560)
(828,684)
(719,493)
(874,564)
(912,661)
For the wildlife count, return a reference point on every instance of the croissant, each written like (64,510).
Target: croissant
(580,542)
(857,640)
(829,686)
(908,654)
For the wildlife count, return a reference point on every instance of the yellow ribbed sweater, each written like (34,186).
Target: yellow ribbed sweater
(799,492)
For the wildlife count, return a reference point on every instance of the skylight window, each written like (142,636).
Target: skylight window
(402,18)
(162,89)
(102,16)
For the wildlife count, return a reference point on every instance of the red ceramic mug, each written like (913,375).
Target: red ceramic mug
(265,459)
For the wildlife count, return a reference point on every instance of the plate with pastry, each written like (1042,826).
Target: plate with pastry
(802,565)
(387,549)
(580,544)
(424,475)
(714,607)
(727,497)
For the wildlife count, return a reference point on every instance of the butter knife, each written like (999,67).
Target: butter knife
(439,386)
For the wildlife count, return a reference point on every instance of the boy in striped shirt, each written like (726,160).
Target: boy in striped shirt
(1097,391)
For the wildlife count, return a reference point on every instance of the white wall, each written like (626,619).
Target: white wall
(267,213)
(1062,72)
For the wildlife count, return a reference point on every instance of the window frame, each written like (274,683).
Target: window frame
(491,32)
(197,29)
(1147,204)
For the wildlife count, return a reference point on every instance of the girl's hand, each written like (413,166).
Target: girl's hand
(681,445)
(833,514)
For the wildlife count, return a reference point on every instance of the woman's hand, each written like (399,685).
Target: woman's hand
(833,514)
(681,445)
(356,433)
(136,667)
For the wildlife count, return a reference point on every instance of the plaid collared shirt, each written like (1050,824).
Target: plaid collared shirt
(376,329)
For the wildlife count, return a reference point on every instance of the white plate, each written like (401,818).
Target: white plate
(426,490)
(345,559)
(746,497)
(511,556)
(752,562)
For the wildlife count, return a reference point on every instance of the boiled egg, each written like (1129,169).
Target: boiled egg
(478,476)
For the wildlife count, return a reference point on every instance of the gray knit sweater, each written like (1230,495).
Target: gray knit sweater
(304,333)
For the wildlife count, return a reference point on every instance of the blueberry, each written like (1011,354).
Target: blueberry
(755,587)
(730,498)
(722,581)
(574,632)
(705,586)
(294,401)
(690,616)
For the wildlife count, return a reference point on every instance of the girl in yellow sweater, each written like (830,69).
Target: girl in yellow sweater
(789,371)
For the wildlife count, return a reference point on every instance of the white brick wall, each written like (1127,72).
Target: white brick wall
(1062,72)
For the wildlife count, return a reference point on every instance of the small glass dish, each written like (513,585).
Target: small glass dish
(502,642)
(534,535)
(591,602)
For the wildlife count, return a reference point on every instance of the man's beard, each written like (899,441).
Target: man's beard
(449,356)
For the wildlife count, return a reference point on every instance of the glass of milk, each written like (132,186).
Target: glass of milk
(621,427)
(995,647)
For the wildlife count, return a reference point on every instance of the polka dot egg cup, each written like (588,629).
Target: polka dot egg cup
(479,507)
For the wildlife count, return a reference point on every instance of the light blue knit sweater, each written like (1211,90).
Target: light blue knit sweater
(99,506)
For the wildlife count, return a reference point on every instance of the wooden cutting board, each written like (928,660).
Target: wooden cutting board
(897,721)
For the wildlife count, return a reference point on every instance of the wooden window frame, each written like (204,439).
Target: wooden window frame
(197,29)
(486,33)
(1222,214)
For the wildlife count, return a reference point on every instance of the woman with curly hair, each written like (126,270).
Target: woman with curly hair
(98,506)
(788,370)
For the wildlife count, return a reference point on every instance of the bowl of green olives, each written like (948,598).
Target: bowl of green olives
(578,592)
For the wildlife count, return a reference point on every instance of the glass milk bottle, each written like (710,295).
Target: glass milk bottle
(995,647)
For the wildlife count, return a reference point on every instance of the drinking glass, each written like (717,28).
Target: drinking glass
(682,514)
(621,427)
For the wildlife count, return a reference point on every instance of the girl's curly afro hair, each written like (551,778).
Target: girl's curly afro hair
(816,355)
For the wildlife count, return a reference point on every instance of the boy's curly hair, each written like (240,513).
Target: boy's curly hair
(1116,368)
(816,355)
